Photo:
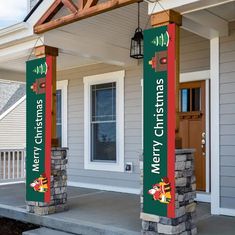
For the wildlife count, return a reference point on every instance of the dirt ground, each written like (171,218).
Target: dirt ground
(13,227)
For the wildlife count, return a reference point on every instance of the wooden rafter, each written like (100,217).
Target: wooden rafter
(81,10)
(70,5)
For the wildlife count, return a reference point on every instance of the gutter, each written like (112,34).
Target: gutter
(32,10)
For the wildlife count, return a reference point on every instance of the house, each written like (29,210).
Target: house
(94,67)
(12,115)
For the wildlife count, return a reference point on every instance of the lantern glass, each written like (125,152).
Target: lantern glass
(136,50)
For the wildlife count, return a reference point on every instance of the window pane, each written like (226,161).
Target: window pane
(58,116)
(185,100)
(196,99)
(103,146)
(104,102)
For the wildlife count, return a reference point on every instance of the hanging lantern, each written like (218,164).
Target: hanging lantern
(136,50)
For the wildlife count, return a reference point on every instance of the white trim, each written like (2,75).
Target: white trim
(63,86)
(184,6)
(214,130)
(13,107)
(104,187)
(13,29)
(208,137)
(210,21)
(226,211)
(142,113)
(167,4)
(117,77)
(203,197)
(195,76)
(14,182)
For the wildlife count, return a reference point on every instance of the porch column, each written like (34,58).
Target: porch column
(42,51)
(165,18)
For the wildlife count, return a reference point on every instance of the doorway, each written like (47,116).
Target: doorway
(193,126)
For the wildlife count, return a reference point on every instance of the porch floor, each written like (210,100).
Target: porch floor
(100,212)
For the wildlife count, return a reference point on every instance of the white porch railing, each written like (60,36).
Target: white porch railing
(12,165)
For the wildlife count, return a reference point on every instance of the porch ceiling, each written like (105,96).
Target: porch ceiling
(226,11)
(104,38)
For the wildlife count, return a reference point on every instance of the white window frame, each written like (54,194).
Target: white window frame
(117,77)
(63,86)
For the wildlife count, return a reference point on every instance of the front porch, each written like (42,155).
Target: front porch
(100,212)
(90,211)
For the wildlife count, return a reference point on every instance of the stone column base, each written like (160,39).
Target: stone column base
(185,182)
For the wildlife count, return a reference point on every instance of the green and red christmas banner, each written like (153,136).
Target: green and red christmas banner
(159,121)
(38,147)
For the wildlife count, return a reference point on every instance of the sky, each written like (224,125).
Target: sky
(12,12)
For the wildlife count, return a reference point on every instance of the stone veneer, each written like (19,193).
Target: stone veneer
(185,182)
(58,201)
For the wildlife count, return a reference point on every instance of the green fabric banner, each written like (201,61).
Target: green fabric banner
(158,119)
(37,185)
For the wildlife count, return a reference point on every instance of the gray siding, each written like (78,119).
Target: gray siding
(227,119)
(12,128)
(132,127)
(194,52)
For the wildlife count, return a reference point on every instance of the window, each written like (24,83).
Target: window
(103,122)
(61,112)
(190,99)
(103,125)
(58,117)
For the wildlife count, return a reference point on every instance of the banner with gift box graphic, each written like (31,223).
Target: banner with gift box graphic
(159,121)
(38,147)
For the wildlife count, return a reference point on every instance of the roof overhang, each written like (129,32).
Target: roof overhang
(196,18)
(77,11)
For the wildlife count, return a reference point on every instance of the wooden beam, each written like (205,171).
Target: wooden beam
(42,51)
(70,5)
(51,12)
(82,14)
(165,18)
(81,4)
(90,3)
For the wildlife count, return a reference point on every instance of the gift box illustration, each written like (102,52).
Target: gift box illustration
(40,184)
(161,191)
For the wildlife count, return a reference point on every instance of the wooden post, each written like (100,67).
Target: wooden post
(165,18)
(42,51)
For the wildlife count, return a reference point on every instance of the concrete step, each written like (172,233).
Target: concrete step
(45,231)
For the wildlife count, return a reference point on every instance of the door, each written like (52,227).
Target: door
(192,126)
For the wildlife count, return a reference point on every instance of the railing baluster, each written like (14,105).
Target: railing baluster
(9,166)
(4,165)
(24,160)
(22,164)
(12,164)
(18,164)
